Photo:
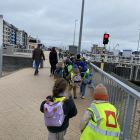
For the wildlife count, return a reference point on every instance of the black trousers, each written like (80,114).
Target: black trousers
(53,67)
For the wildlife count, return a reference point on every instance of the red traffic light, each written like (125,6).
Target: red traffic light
(106,36)
(106,39)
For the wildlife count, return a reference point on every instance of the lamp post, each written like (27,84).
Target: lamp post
(1,43)
(81,26)
(138,40)
(74,32)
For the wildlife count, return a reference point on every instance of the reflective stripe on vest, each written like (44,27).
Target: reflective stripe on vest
(96,113)
(103,132)
(72,75)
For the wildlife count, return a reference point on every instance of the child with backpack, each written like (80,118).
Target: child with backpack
(75,81)
(57,111)
(67,68)
(59,72)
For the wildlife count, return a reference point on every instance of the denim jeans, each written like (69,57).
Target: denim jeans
(91,84)
(37,63)
(83,89)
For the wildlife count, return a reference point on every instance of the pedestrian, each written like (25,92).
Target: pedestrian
(100,120)
(78,60)
(84,65)
(59,72)
(74,81)
(85,72)
(67,68)
(37,57)
(53,60)
(59,123)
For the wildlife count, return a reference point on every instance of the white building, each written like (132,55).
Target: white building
(22,39)
(12,36)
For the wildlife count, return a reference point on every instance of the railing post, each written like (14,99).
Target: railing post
(128,117)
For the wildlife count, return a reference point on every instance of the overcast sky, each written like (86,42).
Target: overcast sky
(53,20)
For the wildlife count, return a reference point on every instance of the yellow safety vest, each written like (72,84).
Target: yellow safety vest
(69,67)
(59,99)
(103,125)
(86,73)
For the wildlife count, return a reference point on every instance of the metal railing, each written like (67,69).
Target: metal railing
(16,50)
(133,60)
(125,99)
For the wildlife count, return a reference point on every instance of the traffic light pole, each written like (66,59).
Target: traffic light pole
(81,26)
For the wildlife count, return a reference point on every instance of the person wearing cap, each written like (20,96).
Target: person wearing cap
(100,119)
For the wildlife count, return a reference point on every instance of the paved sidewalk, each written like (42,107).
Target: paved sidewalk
(20,96)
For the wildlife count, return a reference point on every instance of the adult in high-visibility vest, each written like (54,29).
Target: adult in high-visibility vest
(100,120)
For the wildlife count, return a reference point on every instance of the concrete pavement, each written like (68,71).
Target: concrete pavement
(20,96)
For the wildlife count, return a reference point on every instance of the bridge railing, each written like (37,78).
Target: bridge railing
(125,99)
(114,59)
(17,50)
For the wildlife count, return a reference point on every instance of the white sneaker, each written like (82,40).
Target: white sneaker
(83,97)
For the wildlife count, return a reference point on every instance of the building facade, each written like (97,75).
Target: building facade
(22,39)
(97,50)
(9,34)
(14,37)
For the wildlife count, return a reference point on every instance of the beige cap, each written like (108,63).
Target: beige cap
(100,92)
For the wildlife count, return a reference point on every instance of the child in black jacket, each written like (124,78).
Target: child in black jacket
(69,108)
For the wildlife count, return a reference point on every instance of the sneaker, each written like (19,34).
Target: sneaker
(83,97)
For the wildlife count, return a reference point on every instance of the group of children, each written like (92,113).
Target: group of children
(77,74)
(99,121)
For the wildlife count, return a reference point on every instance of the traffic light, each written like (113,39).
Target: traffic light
(106,39)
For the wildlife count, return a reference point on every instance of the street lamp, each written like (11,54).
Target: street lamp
(81,26)
(1,43)
(138,40)
(74,32)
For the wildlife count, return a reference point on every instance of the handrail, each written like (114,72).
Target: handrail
(125,87)
(125,99)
